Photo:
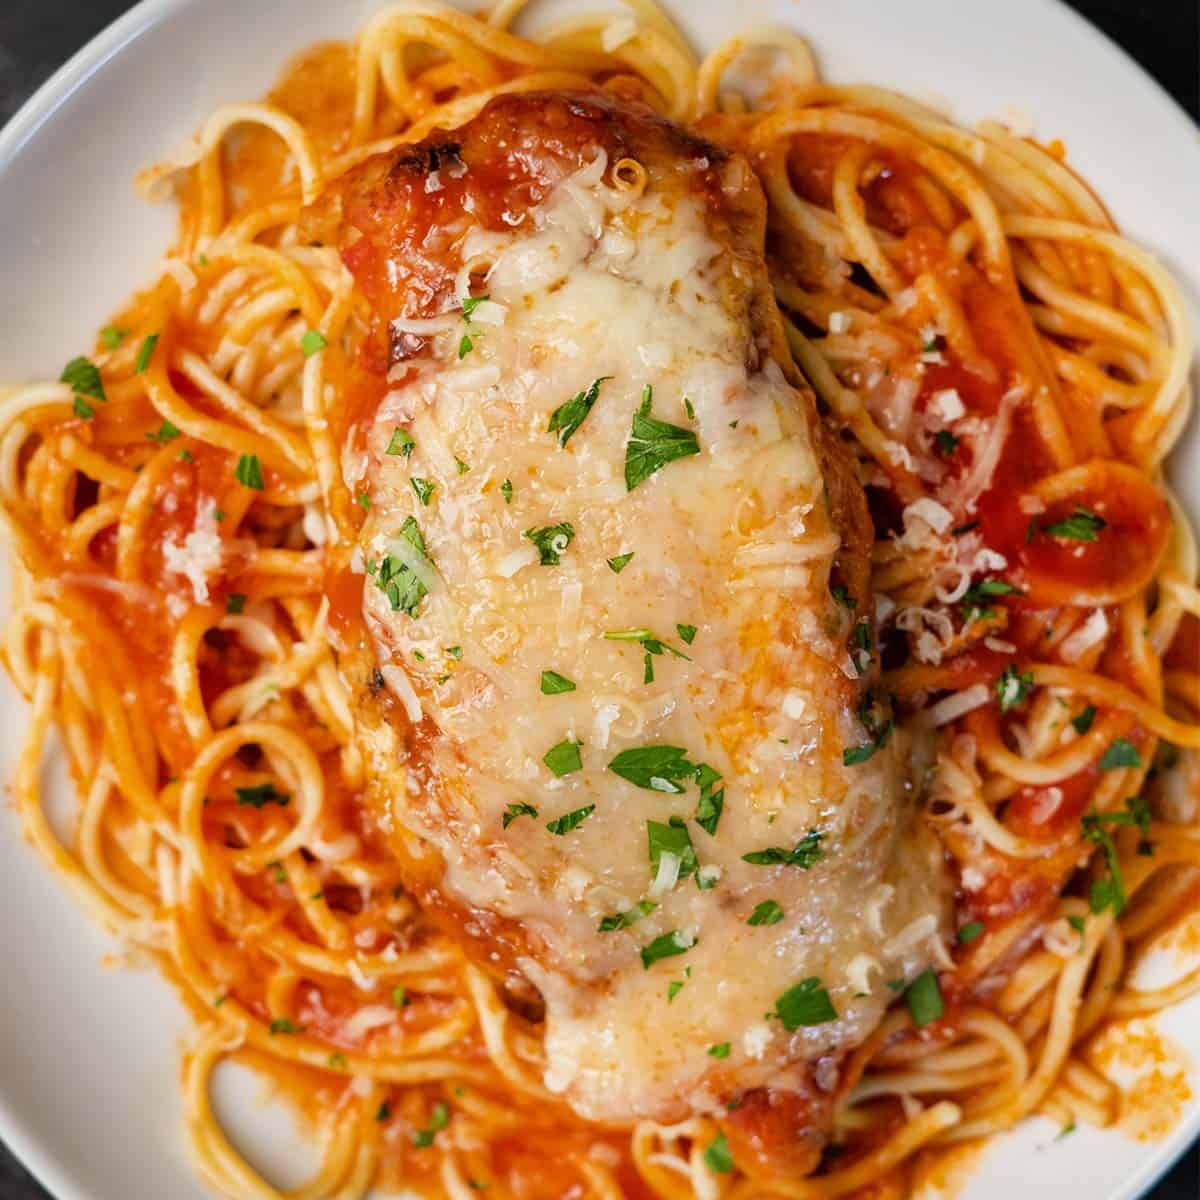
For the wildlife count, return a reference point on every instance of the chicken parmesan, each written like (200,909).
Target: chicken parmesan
(619,694)
(620,628)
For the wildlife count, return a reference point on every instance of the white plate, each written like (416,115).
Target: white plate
(88,1055)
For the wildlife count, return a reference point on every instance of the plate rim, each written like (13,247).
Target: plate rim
(93,56)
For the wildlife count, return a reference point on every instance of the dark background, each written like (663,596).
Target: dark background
(36,36)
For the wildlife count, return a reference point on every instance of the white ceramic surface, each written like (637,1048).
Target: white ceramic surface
(88,1054)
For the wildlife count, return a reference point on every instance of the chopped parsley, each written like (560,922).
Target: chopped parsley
(924,998)
(248,472)
(402,443)
(945,442)
(766,913)
(337,1061)
(465,346)
(969,932)
(400,997)
(563,758)
(313,342)
(631,916)
(461,467)
(842,596)
(553,683)
(572,820)
(672,838)
(654,443)
(235,602)
(720,1050)
(651,645)
(470,304)
(396,579)
(383,1112)
(260,794)
(145,353)
(423,488)
(667,945)
(1081,526)
(81,408)
(618,564)
(364,501)
(568,417)
(83,377)
(283,1025)
(438,1120)
(506,490)
(974,604)
(712,799)
(1078,924)
(166,433)
(1012,687)
(717,1157)
(1109,891)
(878,727)
(1122,753)
(686,632)
(657,768)
(805,854)
(513,811)
(112,337)
(804,1004)
(455,652)
(1083,722)
(551,541)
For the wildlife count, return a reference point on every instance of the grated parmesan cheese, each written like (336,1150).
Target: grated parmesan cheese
(200,553)
(957,704)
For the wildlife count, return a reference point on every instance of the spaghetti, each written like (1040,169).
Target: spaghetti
(1011,374)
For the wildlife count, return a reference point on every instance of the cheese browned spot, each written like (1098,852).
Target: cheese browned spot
(659,293)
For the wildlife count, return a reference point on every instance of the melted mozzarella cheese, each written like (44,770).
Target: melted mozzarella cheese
(735,541)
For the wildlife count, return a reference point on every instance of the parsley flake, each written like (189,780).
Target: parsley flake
(423,488)
(969,932)
(563,758)
(1083,722)
(631,916)
(554,684)
(805,854)
(551,541)
(717,1157)
(520,809)
(83,377)
(1012,687)
(402,443)
(924,998)
(260,794)
(667,945)
(619,563)
(654,443)
(806,1003)
(166,433)
(1122,753)
(568,417)
(1081,526)
(248,472)
(572,820)
(145,353)
(766,913)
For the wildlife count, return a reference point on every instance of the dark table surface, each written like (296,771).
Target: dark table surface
(36,36)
